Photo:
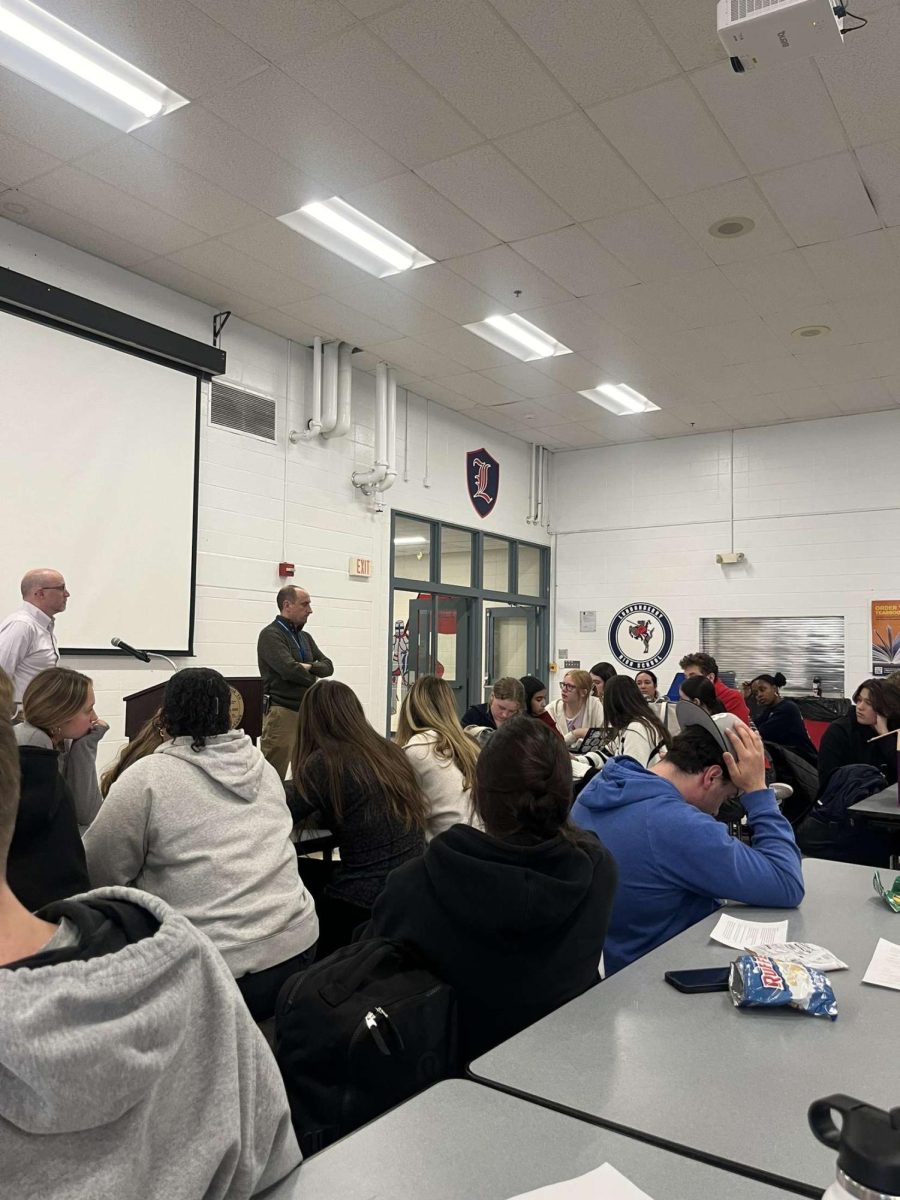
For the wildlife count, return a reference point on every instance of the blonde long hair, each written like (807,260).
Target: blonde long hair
(53,697)
(429,705)
(149,736)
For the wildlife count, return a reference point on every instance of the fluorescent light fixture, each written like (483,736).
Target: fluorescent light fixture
(52,54)
(410,541)
(518,337)
(345,231)
(620,399)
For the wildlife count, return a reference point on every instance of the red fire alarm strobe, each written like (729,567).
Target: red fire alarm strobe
(285,570)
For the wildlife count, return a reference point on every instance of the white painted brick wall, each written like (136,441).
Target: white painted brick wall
(248,522)
(815,511)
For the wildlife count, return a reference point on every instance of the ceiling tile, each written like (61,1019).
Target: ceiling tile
(649,242)
(496,418)
(423,360)
(465,347)
(774,117)
(783,321)
(688,30)
(870,395)
(71,230)
(481,389)
(862,79)
(522,379)
(218,295)
(577,167)
(701,298)
(569,406)
(364,9)
(863,320)
(855,266)
(282,323)
(427,389)
(742,341)
(767,375)
(576,261)
(377,299)
(99,203)
(880,170)
(33,115)
(532,412)
(448,293)
(144,173)
(381,96)
(805,403)
(20,162)
(577,42)
(820,201)
(501,272)
(409,207)
(279,28)
(658,424)
(846,364)
(569,435)
(171,40)
(637,309)
(475,61)
(740,198)
(776,281)
(348,324)
(573,371)
(293,123)
(287,252)
(760,410)
(222,263)
(704,418)
(194,137)
(669,138)
(495,193)
(580,327)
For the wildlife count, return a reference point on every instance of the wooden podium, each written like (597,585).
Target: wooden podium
(140,706)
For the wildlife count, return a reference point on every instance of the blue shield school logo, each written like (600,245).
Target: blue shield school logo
(482,480)
(640,636)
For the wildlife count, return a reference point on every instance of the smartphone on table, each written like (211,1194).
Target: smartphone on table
(707,979)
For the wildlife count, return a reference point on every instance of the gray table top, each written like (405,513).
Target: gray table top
(883,804)
(462,1141)
(728,1083)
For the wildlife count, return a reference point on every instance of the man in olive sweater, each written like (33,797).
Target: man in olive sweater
(289,663)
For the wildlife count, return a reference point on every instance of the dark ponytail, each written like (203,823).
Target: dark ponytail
(196,704)
(777,680)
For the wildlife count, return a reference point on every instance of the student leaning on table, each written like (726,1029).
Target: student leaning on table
(675,860)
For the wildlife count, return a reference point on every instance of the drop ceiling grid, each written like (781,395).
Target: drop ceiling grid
(198,220)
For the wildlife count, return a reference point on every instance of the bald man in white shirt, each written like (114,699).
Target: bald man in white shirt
(27,637)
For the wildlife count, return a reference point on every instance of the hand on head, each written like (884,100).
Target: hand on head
(747,763)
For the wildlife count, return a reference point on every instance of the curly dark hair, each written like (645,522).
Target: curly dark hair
(196,705)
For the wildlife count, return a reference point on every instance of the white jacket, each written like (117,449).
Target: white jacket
(209,832)
(592,717)
(441,782)
(638,742)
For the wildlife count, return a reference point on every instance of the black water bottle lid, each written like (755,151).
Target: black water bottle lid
(868,1141)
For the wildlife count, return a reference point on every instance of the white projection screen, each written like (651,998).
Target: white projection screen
(99,452)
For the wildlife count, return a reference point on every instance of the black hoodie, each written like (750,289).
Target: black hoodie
(516,926)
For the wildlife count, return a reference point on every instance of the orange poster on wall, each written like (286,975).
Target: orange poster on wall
(885,636)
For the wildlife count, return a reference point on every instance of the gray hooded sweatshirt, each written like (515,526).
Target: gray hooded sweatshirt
(139,1073)
(209,831)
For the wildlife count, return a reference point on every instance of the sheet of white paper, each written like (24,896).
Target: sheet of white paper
(732,931)
(884,969)
(806,953)
(606,1183)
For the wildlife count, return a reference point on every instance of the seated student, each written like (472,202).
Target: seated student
(57,746)
(536,701)
(601,673)
(731,698)
(203,824)
(507,700)
(648,686)
(849,739)
(630,726)
(577,710)
(363,788)
(779,720)
(676,862)
(441,754)
(130,1065)
(514,917)
(700,692)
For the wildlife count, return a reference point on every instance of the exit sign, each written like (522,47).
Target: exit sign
(360,568)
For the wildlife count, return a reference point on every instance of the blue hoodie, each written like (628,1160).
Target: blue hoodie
(675,862)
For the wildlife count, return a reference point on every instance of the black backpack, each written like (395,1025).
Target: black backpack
(359,1032)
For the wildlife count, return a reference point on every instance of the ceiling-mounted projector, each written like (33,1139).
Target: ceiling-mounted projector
(765,32)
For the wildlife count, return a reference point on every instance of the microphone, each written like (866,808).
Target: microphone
(120,645)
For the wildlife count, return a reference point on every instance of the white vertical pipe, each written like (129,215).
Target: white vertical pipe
(314,424)
(329,387)
(390,456)
(343,392)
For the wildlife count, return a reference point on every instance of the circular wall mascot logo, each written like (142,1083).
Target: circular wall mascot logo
(640,636)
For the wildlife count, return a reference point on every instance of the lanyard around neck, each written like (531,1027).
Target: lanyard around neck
(295,634)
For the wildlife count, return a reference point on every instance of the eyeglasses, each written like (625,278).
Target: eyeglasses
(54,587)
(568,687)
